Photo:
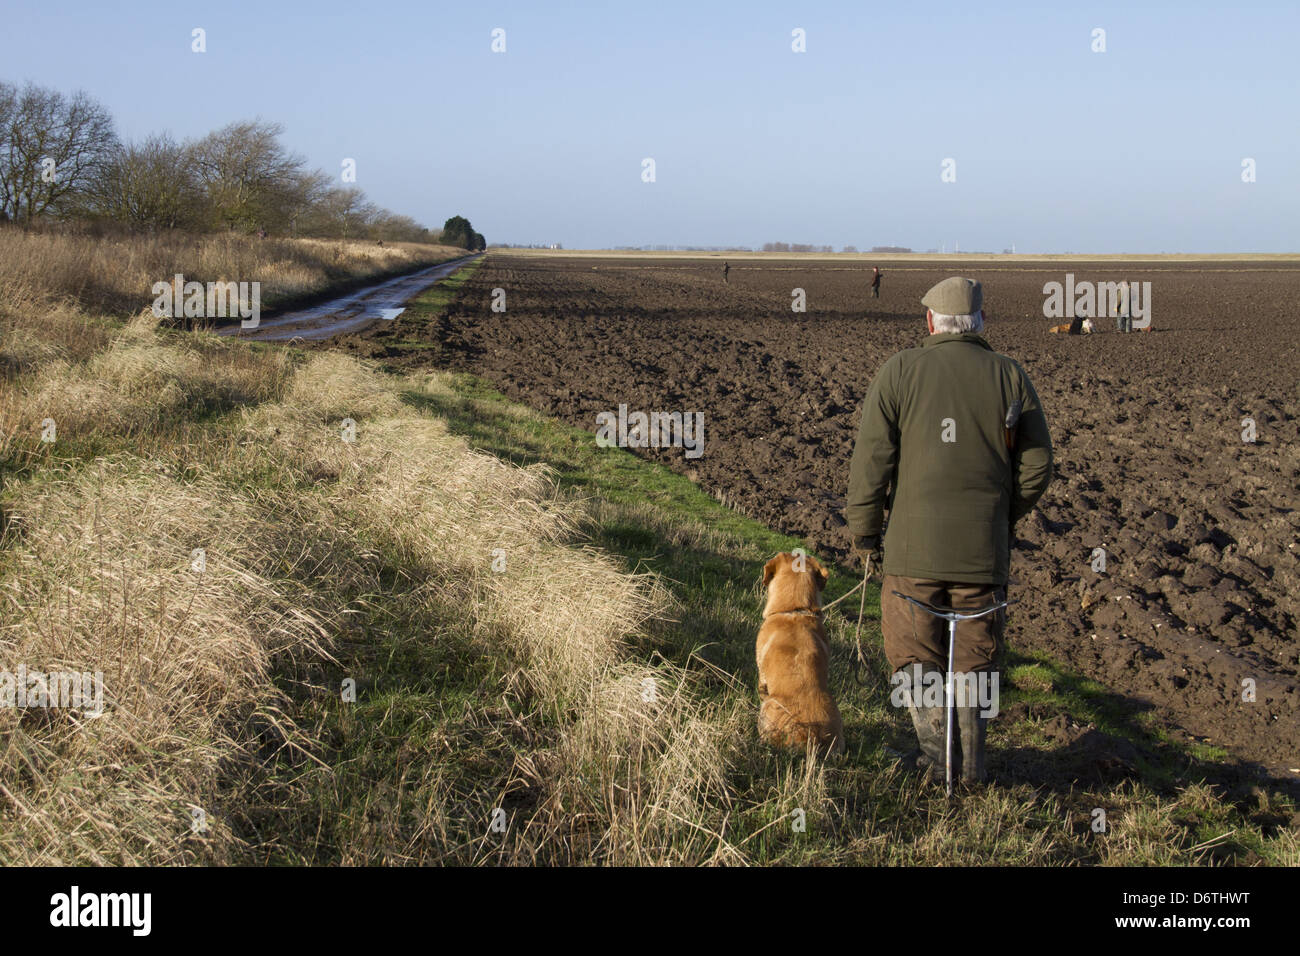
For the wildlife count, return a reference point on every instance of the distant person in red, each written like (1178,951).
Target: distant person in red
(875,282)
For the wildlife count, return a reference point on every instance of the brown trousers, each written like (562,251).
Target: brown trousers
(915,637)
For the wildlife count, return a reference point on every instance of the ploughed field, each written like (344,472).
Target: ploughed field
(1199,527)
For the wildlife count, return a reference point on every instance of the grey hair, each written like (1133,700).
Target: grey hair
(958,323)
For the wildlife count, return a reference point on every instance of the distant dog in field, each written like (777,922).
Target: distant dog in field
(1077,327)
(795,704)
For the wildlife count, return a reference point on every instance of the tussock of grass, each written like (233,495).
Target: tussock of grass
(137,383)
(99,576)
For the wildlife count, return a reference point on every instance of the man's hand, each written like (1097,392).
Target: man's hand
(866,546)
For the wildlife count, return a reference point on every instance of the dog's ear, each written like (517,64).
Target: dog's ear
(817,569)
(769,570)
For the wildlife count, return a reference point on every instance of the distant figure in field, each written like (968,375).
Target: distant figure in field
(1123,315)
(261,233)
(875,282)
(726,272)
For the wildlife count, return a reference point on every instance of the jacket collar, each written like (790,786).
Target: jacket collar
(941,337)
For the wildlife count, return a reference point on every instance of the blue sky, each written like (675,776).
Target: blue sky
(1057,148)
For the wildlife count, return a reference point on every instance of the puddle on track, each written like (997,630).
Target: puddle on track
(347,313)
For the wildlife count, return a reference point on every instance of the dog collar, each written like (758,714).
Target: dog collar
(810,611)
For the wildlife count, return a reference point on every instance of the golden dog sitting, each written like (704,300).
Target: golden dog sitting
(796,707)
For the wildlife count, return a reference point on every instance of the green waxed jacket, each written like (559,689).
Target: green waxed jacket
(932,450)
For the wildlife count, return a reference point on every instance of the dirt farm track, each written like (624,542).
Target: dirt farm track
(1200,527)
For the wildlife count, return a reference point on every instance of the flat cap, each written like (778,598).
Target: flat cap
(955,296)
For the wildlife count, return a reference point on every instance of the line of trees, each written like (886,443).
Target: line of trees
(804,247)
(794,247)
(61,160)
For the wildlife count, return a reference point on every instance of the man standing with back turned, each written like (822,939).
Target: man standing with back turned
(935,449)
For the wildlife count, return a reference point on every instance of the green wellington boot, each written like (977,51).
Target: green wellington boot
(929,725)
(971,730)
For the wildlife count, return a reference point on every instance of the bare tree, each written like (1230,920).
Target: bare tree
(150,185)
(306,192)
(393,227)
(340,211)
(248,176)
(354,211)
(59,156)
(8,109)
(51,148)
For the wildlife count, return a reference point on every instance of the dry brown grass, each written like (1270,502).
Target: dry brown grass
(115,276)
(96,575)
(135,382)
(99,576)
